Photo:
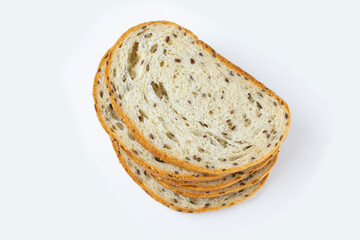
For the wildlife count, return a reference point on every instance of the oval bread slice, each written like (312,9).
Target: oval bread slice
(188,105)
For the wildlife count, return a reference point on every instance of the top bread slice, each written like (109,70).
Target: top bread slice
(188,105)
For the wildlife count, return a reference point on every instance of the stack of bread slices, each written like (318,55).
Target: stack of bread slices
(196,132)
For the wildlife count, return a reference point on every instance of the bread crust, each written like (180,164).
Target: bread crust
(215,193)
(173,159)
(159,172)
(224,184)
(168,204)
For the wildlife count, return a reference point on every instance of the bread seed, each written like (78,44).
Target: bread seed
(200,54)
(232,111)
(258,105)
(286,116)
(214,53)
(175,36)
(192,61)
(177,60)
(235,164)
(226,80)
(167,39)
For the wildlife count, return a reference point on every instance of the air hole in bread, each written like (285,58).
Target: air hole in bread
(201,149)
(119,125)
(114,72)
(171,136)
(149,35)
(167,146)
(222,142)
(133,59)
(159,90)
(142,113)
(246,148)
(203,124)
(153,48)
(158,160)
(131,136)
(135,151)
(110,111)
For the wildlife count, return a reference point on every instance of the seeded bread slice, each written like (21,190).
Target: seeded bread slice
(176,201)
(236,187)
(220,183)
(188,105)
(114,126)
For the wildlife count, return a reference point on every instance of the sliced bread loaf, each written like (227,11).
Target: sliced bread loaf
(176,201)
(114,126)
(220,183)
(188,105)
(240,185)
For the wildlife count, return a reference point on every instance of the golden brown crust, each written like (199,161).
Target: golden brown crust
(141,162)
(172,159)
(167,204)
(207,188)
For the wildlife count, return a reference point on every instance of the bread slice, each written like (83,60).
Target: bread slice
(176,201)
(114,126)
(236,187)
(220,183)
(188,105)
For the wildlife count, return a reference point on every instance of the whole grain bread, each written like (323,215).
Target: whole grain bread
(176,201)
(188,105)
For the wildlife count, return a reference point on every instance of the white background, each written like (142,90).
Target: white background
(60,179)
